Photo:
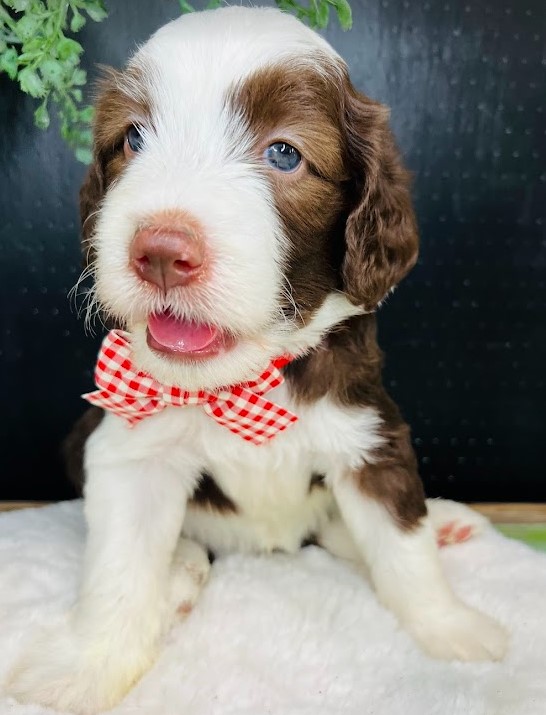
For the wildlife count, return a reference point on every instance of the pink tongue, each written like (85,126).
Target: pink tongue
(181,336)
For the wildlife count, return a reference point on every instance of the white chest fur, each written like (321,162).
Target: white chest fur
(269,484)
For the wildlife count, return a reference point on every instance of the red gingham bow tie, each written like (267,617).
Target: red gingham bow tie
(135,395)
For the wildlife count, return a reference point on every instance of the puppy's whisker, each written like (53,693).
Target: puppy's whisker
(288,292)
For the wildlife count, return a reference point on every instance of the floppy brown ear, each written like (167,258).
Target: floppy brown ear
(381,232)
(91,194)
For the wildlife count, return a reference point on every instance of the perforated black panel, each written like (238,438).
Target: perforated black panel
(464,335)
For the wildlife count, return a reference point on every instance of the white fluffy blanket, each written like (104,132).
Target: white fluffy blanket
(285,635)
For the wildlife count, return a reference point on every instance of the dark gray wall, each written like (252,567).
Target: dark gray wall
(464,335)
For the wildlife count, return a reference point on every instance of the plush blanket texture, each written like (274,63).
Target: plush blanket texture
(292,635)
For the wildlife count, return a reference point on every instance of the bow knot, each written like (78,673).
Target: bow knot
(134,395)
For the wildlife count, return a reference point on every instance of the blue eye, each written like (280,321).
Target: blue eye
(134,139)
(282,156)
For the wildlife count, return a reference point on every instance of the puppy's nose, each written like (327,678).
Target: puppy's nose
(166,257)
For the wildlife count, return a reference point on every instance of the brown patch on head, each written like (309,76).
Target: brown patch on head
(208,495)
(347,211)
(121,102)
(299,105)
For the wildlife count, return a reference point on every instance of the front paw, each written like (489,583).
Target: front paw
(189,572)
(61,671)
(458,632)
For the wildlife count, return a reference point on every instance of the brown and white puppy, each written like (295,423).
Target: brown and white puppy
(246,199)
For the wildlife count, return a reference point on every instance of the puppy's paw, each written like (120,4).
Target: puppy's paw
(454,522)
(459,633)
(189,572)
(60,671)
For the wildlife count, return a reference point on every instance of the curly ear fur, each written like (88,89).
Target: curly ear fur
(381,232)
(91,194)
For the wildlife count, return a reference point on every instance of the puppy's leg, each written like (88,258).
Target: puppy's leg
(384,509)
(134,510)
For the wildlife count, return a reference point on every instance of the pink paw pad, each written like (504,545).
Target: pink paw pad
(185,608)
(454,533)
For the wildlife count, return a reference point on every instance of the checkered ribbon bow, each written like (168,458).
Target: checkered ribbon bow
(135,395)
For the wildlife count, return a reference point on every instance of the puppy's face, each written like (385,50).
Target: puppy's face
(243,198)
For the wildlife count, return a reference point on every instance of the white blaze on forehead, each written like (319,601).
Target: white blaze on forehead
(190,65)
(231,41)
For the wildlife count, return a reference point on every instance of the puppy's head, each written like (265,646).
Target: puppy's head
(243,199)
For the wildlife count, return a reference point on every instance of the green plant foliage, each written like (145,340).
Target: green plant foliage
(36,52)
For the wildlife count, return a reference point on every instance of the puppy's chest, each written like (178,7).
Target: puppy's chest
(277,495)
(326,440)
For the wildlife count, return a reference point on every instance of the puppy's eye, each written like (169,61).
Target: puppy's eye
(282,156)
(134,141)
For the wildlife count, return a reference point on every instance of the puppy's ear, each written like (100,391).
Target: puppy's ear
(112,106)
(91,194)
(381,233)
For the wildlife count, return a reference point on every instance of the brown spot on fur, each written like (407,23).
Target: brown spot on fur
(209,495)
(121,101)
(394,480)
(317,482)
(74,445)
(310,540)
(346,366)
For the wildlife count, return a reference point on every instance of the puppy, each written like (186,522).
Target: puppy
(245,214)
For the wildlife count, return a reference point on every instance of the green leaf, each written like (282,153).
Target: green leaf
(8,63)
(344,14)
(95,10)
(77,22)
(66,132)
(185,6)
(85,136)
(28,26)
(79,77)
(213,4)
(19,5)
(87,114)
(84,155)
(27,57)
(323,13)
(3,46)
(53,72)
(34,45)
(67,48)
(41,117)
(30,82)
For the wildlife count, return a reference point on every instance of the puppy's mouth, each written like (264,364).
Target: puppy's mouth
(184,339)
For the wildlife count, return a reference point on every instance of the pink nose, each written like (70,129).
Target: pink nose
(166,257)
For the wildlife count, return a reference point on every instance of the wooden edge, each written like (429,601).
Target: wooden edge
(513,513)
(498,513)
(13,505)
